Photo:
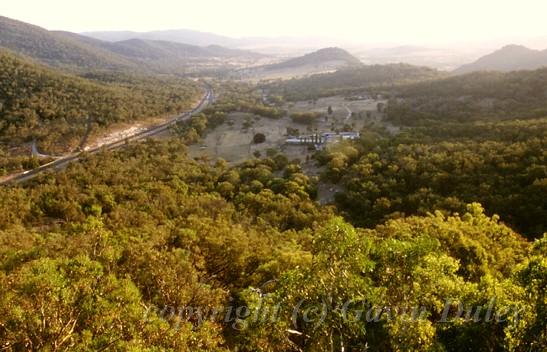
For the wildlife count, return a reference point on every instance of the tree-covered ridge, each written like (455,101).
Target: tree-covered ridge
(52,107)
(476,96)
(56,49)
(88,263)
(351,80)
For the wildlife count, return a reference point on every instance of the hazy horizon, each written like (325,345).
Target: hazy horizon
(422,22)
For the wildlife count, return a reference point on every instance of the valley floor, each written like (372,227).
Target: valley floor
(232,141)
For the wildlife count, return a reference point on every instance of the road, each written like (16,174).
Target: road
(60,163)
(36,153)
(349,113)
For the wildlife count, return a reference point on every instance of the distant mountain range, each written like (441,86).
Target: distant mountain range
(151,52)
(267,45)
(508,58)
(160,49)
(71,50)
(184,36)
(176,51)
(441,58)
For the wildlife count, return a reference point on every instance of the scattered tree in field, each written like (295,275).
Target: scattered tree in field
(380,107)
(259,138)
(305,118)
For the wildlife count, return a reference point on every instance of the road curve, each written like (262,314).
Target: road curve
(60,163)
(349,113)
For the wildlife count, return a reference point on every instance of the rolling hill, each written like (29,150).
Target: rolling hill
(328,56)
(351,79)
(508,58)
(323,60)
(475,96)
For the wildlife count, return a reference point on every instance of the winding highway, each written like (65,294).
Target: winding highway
(61,162)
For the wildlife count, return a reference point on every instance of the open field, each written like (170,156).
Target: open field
(232,141)
(257,74)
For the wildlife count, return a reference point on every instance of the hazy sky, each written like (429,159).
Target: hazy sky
(402,21)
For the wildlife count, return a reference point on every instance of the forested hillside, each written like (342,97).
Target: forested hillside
(350,80)
(88,263)
(52,107)
(476,96)
(56,49)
